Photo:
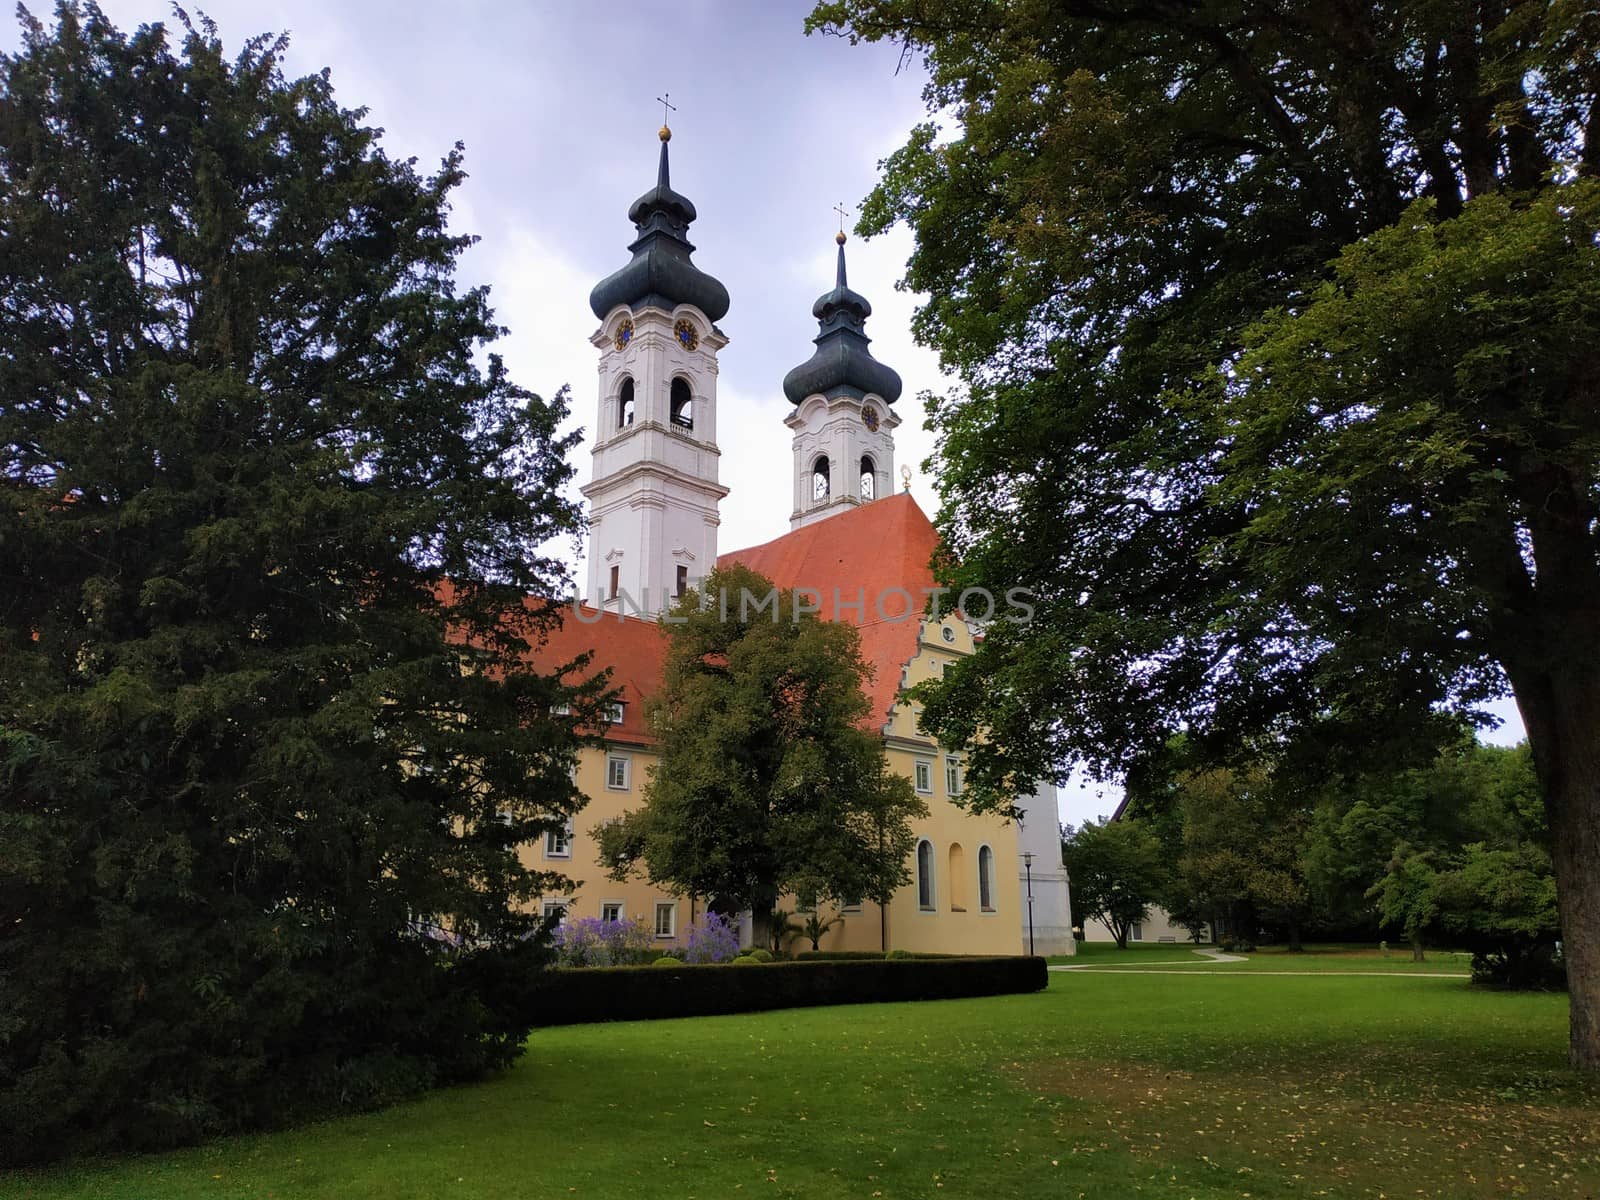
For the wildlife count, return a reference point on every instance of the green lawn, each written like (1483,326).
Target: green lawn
(1105,1086)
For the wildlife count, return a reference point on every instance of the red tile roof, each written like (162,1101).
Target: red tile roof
(634,649)
(865,552)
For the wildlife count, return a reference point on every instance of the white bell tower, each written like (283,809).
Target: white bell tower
(654,493)
(843,422)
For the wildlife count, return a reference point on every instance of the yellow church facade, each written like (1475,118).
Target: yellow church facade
(963,896)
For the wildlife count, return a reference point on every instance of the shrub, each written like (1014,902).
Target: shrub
(592,942)
(762,955)
(666,960)
(745,960)
(1518,966)
(644,993)
(898,954)
(711,939)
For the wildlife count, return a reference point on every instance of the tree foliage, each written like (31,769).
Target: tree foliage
(1277,328)
(270,517)
(1115,870)
(768,782)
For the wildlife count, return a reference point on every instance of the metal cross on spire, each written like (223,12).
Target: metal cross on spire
(665,100)
(840,209)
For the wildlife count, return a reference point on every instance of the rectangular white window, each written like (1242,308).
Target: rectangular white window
(617,773)
(850,906)
(1137,932)
(611,910)
(666,918)
(558,843)
(952,776)
(614,712)
(924,776)
(562,710)
(557,909)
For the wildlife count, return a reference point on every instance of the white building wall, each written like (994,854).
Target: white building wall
(1039,832)
(1159,928)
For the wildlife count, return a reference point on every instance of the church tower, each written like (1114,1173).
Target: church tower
(842,420)
(654,493)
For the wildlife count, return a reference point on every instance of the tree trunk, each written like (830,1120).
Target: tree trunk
(1295,946)
(1416,950)
(1575,847)
(1559,698)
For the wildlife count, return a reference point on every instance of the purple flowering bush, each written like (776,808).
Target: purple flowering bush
(711,939)
(593,942)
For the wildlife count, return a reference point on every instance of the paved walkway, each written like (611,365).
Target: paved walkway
(1210,957)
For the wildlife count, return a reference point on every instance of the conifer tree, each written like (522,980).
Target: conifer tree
(269,518)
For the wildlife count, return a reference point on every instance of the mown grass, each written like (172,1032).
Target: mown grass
(1105,1086)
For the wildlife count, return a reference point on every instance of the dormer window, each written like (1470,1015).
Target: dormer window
(625,405)
(682,404)
(820,486)
(868,477)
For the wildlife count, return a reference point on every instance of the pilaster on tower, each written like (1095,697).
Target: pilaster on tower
(654,493)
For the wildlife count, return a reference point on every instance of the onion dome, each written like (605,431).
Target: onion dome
(842,364)
(661,273)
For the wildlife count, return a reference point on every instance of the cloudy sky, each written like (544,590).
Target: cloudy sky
(555,103)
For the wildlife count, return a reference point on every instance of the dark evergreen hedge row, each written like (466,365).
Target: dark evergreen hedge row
(574,997)
(863,955)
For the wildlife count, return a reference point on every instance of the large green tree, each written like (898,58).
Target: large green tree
(269,519)
(1469,793)
(1116,870)
(768,781)
(1278,333)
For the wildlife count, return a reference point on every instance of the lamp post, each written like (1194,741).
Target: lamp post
(1027,865)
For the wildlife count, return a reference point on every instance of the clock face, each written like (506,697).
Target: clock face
(684,331)
(869,418)
(624,333)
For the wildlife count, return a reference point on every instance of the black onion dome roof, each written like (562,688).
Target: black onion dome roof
(842,364)
(660,271)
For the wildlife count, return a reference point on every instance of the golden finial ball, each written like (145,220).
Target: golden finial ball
(839,237)
(665,135)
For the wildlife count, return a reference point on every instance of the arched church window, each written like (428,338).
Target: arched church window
(820,486)
(625,405)
(986,879)
(682,404)
(868,477)
(925,875)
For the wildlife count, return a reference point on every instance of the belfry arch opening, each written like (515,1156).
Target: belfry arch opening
(869,477)
(821,487)
(682,404)
(625,404)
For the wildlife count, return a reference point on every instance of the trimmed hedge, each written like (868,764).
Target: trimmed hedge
(866,955)
(839,956)
(582,995)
